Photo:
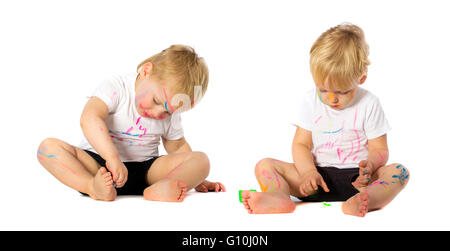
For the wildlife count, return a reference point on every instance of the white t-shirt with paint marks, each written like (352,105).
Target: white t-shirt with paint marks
(340,137)
(136,138)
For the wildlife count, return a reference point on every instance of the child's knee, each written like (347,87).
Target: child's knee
(264,165)
(53,144)
(202,162)
(46,146)
(399,173)
(48,143)
(261,164)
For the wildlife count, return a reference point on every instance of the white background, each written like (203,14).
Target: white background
(54,53)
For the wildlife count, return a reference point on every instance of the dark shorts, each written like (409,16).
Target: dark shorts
(339,182)
(137,175)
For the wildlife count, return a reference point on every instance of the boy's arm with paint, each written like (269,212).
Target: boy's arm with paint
(377,157)
(304,163)
(96,132)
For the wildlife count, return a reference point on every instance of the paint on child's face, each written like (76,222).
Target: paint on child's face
(167,102)
(331,97)
(320,97)
(337,100)
(142,94)
(149,103)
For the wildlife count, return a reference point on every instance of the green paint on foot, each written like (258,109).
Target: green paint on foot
(240,194)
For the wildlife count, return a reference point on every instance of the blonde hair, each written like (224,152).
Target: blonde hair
(182,63)
(339,57)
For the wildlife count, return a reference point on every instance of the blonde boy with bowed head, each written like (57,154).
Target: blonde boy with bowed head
(340,147)
(123,123)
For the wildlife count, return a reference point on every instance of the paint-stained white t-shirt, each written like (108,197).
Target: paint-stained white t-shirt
(340,137)
(136,138)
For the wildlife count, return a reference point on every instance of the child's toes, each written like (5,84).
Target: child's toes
(103,170)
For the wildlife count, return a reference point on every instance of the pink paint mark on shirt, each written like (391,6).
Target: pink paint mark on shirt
(317,120)
(145,131)
(114,94)
(330,145)
(318,149)
(348,154)
(129,130)
(339,151)
(359,144)
(137,122)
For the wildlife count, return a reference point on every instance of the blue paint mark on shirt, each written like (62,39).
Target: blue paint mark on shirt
(330,132)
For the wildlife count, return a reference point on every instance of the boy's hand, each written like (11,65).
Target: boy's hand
(309,183)
(207,186)
(118,171)
(365,173)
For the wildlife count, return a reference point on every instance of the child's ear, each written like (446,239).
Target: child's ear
(146,69)
(363,79)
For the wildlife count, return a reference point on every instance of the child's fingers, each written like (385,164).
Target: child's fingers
(302,191)
(118,181)
(201,188)
(324,185)
(362,180)
(307,189)
(362,163)
(310,187)
(222,187)
(124,180)
(314,185)
(216,187)
(121,180)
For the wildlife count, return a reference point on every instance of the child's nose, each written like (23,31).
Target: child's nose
(332,97)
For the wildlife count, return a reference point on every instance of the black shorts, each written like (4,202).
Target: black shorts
(339,182)
(137,175)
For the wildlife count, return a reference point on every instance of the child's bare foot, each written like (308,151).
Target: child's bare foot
(356,205)
(102,186)
(166,190)
(267,203)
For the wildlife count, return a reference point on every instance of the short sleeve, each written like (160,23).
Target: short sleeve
(375,124)
(303,115)
(175,130)
(110,92)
